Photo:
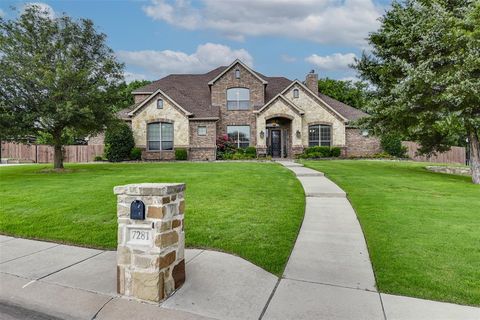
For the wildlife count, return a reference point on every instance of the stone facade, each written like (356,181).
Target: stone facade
(207,107)
(98,139)
(240,117)
(358,145)
(150,252)
(170,113)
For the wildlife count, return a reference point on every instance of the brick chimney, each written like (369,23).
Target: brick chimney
(311,81)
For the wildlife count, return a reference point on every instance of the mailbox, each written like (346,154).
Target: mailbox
(137,210)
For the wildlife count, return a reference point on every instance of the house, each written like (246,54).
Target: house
(277,116)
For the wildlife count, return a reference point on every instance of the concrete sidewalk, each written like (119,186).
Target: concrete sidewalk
(79,283)
(328,276)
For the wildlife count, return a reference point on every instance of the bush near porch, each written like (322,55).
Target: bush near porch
(253,210)
(422,228)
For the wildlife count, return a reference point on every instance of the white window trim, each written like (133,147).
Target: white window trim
(238,100)
(201,127)
(160,141)
(320,140)
(238,134)
(158,100)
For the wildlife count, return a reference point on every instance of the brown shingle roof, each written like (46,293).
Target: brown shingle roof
(345,110)
(191,92)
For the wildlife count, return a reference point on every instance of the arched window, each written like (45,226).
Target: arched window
(159,136)
(320,135)
(237,74)
(296,93)
(238,99)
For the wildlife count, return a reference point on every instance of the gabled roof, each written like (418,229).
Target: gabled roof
(288,102)
(316,96)
(159,91)
(192,93)
(211,82)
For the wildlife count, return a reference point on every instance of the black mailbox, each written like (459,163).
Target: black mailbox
(137,210)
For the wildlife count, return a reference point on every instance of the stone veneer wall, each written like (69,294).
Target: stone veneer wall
(359,146)
(154,269)
(169,113)
(243,117)
(315,113)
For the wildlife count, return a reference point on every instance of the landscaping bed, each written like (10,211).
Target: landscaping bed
(422,228)
(253,210)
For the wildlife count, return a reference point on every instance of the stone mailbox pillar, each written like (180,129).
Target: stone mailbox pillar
(150,253)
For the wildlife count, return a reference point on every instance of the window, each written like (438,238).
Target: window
(159,104)
(160,136)
(319,135)
(295,93)
(238,99)
(240,135)
(202,131)
(237,74)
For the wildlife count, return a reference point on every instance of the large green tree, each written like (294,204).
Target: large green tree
(355,94)
(58,76)
(424,67)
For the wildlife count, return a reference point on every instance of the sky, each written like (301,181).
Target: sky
(287,38)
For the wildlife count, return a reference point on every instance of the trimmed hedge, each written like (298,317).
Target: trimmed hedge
(136,154)
(181,154)
(320,152)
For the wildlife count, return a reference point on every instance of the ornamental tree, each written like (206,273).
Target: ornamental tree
(424,68)
(58,78)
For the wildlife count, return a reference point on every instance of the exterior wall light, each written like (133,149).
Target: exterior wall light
(262,134)
(299,134)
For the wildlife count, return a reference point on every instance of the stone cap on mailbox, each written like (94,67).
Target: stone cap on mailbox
(149,189)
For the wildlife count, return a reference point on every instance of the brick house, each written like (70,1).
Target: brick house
(278,116)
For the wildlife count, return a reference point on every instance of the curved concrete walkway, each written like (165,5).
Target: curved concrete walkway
(329,274)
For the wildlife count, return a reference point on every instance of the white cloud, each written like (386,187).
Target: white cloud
(287,58)
(322,21)
(207,56)
(44,8)
(131,76)
(334,62)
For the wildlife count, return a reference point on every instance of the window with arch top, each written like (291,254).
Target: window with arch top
(296,93)
(238,99)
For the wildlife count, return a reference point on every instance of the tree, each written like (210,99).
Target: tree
(425,70)
(58,78)
(355,94)
(119,141)
(124,91)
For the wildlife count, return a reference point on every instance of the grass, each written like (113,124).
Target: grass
(253,210)
(422,228)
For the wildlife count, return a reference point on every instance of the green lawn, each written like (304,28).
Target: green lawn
(253,210)
(422,228)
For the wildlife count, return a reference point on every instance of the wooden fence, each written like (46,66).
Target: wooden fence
(455,155)
(40,153)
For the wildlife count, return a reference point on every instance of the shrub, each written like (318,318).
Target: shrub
(118,142)
(392,144)
(98,158)
(225,147)
(181,154)
(320,152)
(251,151)
(335,152)
(136,154)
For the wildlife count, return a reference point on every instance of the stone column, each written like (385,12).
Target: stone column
(150,252)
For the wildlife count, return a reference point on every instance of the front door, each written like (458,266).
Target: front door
(276,143)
